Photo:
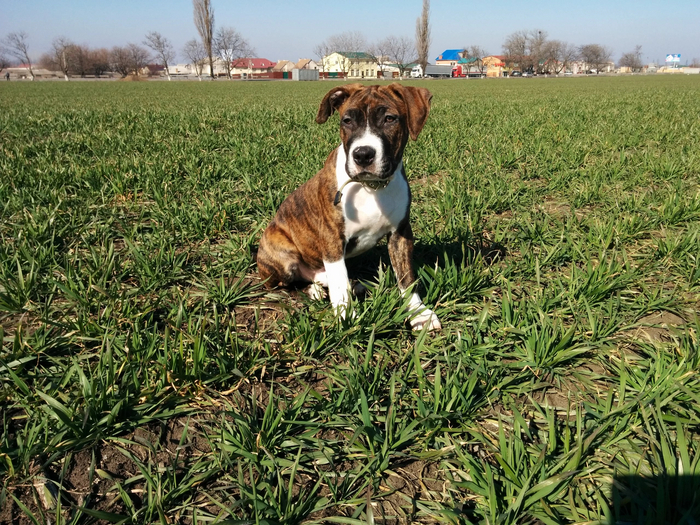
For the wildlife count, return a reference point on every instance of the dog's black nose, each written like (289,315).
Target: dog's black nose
(363,156)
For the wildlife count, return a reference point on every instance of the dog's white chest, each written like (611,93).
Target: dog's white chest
(370,214)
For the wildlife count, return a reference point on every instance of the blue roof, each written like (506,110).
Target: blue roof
(450,54)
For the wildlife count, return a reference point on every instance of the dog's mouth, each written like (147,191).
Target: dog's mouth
(381,171)
(367,176)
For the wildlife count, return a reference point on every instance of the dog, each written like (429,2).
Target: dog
(359,196)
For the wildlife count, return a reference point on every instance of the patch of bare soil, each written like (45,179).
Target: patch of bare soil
(84,476)
(405,485)
(429,180)
(10,323)
(555,208)
(397,500)
(656,327)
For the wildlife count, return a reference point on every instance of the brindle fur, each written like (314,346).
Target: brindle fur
(308,228)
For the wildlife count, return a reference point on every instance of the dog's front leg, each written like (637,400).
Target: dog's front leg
(401,254)
(338,285)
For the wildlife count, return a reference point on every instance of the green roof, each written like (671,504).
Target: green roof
(356,55)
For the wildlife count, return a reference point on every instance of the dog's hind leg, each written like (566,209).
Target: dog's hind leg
(278,260)
(280,264)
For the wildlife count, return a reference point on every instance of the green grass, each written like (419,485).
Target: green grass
(147,377)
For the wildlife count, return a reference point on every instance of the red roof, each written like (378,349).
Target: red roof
(253,63)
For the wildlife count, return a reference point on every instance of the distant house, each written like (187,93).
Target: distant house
(247,66)
(219,68)
(306,63)
(495,65)
(357,65)
(283,65)
(152,70)
(393,70)
(449,57)
(181,69)
(580,67)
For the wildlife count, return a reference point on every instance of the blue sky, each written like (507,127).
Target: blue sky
(289,30)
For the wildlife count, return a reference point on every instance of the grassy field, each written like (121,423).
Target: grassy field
(147,377)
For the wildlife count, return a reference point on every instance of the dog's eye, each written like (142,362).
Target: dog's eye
(389,118)
(347,120)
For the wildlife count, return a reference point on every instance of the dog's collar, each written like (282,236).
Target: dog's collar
(379,184)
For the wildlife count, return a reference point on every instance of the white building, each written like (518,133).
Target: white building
(356,65)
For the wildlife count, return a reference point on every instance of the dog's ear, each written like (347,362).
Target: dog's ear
(333,100)
(417,105)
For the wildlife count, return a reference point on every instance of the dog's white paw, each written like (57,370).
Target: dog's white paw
(426,318)
(315,291)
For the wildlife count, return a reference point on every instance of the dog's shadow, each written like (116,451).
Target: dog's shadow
(365,267)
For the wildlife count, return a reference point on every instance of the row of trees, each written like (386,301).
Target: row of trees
(70,58)
(79,60)
(73,59)
(531,51)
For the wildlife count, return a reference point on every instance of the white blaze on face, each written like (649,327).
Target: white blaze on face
(373,141)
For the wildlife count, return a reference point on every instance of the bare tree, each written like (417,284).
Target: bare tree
(380,52)
(196,54)
(526,50)
(119,59)
(401,51)
(229,46)
(595,56)
(322,50)
(79,60)
(130,59)
(163,48)
(632,60)
(558,56)
(60,48)
(350,45)
(477,54)
(4,62)
(515,50)
(47,61)
(74,59)
(695,62)
(204,22)
(537,40)
(99,61)
(138,58)
(352,41)
(16,45)
(423,35)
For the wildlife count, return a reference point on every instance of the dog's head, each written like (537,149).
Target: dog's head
(375,123)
